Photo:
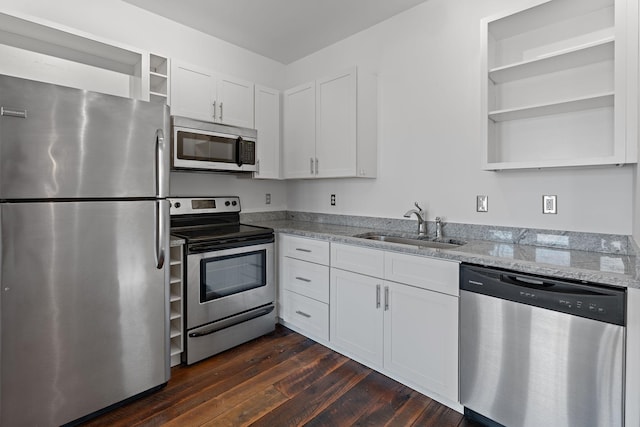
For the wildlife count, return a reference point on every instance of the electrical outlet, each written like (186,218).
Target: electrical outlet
(268,199)
(482,203)
(549,205)
(333,200)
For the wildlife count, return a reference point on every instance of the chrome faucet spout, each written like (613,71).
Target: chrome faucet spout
(438,228)
(420,214)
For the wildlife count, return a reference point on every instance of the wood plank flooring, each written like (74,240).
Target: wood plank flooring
(282,379)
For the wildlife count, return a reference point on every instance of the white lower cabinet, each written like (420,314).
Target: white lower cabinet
(357,316)
(407,330)
(304,285)
(394,312)
(421,338)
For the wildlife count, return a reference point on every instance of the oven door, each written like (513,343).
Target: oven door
(228,282)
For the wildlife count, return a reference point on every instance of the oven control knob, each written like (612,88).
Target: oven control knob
(234,203)
(176,204)
(227,203)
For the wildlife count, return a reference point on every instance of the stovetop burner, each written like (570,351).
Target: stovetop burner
(224,232)
(212,219)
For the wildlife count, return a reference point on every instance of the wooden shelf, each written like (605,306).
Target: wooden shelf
(567,106)
(590,53)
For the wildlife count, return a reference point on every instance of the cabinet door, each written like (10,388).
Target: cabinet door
(234,101)
(299,132)
(267,120)
(192,91)
(336,125)
(356,316)
(421,338)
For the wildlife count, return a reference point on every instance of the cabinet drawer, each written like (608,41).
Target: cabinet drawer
(309,315)
(357,259)
(427,273)
(306,278)
(311,250)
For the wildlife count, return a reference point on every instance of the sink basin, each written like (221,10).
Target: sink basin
(415,241)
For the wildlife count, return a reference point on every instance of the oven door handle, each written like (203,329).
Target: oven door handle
(227,323)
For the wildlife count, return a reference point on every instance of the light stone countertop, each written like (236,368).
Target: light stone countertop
(618,269)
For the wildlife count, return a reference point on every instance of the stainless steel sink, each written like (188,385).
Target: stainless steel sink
(415,241)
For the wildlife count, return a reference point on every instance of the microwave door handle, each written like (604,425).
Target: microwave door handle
(239,143)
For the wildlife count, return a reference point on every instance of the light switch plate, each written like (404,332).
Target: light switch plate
(482,203)
(549,205)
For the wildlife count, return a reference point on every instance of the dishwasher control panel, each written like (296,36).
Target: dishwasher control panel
(593,301)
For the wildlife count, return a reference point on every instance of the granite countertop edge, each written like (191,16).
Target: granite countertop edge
(475,252)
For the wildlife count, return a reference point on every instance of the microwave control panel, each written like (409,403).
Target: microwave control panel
(248,152)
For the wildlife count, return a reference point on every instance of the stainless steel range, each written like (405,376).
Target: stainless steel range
(230,289)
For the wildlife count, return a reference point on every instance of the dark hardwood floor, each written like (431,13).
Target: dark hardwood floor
(282,379)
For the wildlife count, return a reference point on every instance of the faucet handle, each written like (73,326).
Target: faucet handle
(417,206)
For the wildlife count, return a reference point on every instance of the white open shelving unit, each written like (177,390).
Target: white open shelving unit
(176,303)
(159,79)
(555,78)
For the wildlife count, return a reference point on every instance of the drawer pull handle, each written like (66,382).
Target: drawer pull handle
(302,313)
(303,250)
(302,279)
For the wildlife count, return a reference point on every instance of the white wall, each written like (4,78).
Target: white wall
(429,145)
(428,60)
(120,22)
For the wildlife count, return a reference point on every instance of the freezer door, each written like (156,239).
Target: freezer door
(59,142)
(84,308)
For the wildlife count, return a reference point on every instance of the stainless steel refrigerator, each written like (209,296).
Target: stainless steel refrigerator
(84,223)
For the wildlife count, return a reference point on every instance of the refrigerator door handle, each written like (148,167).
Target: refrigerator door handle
(161,232)
(161,171)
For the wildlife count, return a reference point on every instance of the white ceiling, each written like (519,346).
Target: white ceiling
(284,30)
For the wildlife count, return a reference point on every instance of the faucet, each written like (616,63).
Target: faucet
(438,228)
(420,214)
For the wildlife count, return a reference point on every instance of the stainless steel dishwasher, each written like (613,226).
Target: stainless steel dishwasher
(537,351)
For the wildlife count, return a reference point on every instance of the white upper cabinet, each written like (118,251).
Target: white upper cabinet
(199,93)
(556,78)
(330,127)
(234,101)
(267,121)
(336,125)
(299,144)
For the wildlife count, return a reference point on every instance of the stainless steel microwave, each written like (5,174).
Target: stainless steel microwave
(207,146)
